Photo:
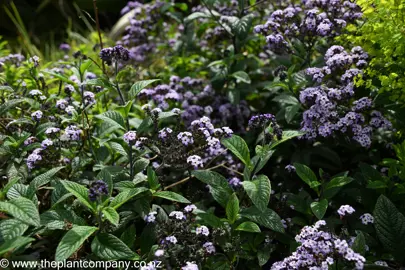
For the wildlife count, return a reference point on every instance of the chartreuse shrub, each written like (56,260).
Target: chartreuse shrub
(383,39)
(227,135)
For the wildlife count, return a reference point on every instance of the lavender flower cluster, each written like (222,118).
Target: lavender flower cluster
(197,101)
(12,59)
(97,189)
(335,109)
(306,22)
(319,250)
(139,36)
(180,235)
(194,147)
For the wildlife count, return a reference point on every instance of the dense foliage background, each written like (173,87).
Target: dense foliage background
(206,134)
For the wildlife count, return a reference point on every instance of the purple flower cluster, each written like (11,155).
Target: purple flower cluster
(71,133)
(12,59)
(319,250)
(197,101)
(151,217)
(97,189)
(263,120)
(117,53)
(345,210)
(34,158)
(331,110)
(143,25)
(307,21)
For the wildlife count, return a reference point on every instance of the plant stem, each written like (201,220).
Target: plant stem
(98,28)
(117,84)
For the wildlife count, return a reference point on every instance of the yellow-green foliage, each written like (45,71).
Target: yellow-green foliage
(383,36)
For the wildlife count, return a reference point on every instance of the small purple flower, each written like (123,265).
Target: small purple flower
(164,133)
(186,138)
(178,215)
(172,239)
(89,98)
(159,253)
(34,158)
(97,189)
(190,208)
(195,161)
(290,168)
(36,116)
(190,266)
(29,141)
(209,247)
(367,219)
(64,47)
(235,182)
(46,143)
(151,217)
(345,209)
(52,131)
(202,230)
(130,137)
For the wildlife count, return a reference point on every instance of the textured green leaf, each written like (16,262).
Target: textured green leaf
(307,175)
(239,148)
(72,241)
(152,179)
(241,76)
(22,209)
(109,247)
(11,228)
(112,215)
(268,218)
(248,226)
(42,179)
(359,244)
(113,118)
(172,196)
(194,16)
(241,27)
(390,227)
(80,192)
(138,86)
(14,243)
(210,220)
(287,135)
(232,208)
(125,196)
(258,191)
(220,188)
(319,208)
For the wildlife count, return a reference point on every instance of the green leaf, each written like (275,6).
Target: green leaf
(140,165)
(113,118)
(232,208)
(307,175)
(338,182)
(22,209)
(41,180)
(85,65)
(390,227)
(125,196)
(152,179)
(112,215)
(268,218)
(80,192)
(194,16)
(59,76)
(72,241)
(220,189)
(172,196)
(211,220)
(14,243)
(287,135)
(291,112)
(239,148)
(241,76)
(129,236)
(359,244)
(241,27)
(259,191)
(109,247)
(248,226)
(11,228)
(124,110)
(138,86)
(319,208)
